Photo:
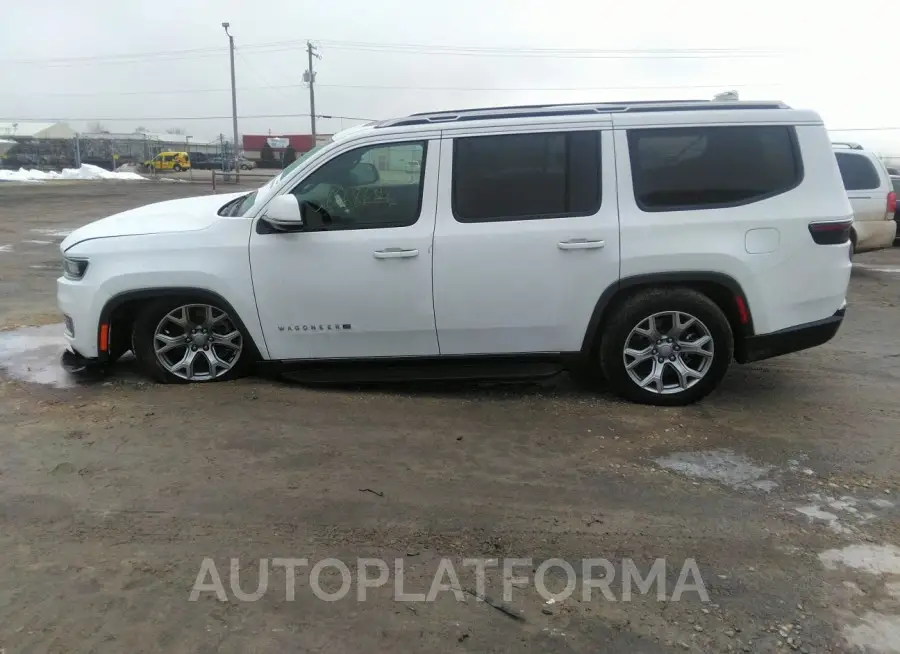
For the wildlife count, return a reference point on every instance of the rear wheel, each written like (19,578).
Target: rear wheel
(184,341)
(177,168)
(666,347)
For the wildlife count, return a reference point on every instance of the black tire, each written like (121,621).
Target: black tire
(177,168)
(641,306)
(120,341)
(852,243)
(150,316)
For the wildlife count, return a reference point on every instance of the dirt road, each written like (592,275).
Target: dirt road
(783,487)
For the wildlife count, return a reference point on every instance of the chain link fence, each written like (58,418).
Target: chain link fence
(106,150)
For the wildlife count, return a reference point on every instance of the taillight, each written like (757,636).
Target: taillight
(835,233)
(891,205)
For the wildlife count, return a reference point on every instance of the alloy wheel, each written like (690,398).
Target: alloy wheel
(668,352)
(197,342)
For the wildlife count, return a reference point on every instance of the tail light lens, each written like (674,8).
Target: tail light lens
(835,233)
(891,205)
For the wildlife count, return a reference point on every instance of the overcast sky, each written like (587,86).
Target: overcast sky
(69,60)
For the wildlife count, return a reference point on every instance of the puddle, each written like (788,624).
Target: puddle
(724,466)
(32,354)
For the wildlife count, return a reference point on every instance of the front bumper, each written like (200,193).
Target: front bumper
(791,339)
(78,302)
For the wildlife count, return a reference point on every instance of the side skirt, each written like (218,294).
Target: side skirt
(477,368)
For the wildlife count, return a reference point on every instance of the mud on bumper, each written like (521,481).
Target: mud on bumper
(72,362)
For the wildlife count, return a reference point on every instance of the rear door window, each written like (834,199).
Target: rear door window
(685,168)
(526,176)
(857,171)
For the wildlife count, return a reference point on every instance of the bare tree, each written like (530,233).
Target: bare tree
(141,130)
(97,128)
(176,130)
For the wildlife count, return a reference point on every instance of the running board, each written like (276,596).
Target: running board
(342,371)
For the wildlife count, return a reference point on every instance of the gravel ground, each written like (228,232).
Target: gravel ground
(782,487)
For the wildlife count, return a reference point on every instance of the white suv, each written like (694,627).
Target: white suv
(649,244)
(871,195)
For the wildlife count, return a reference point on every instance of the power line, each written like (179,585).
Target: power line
(318,115)
(383,87)
(155,118)
(462,50)
(567,53)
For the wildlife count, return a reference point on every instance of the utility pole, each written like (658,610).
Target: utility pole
(234,125)
(310,78)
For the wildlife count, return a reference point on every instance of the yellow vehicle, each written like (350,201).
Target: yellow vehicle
(176,161)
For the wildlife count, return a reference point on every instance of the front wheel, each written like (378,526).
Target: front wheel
(177,168)
(666,347)
(183,341)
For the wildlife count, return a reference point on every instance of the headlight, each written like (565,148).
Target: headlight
(74,268)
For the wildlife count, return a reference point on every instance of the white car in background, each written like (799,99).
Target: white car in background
(871,195)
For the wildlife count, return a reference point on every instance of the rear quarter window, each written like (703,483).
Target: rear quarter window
(858,173)
(686,168)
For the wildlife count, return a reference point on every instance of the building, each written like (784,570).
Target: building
(252,144)
(38,131)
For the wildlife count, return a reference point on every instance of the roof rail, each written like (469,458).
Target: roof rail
(573,109)
(845,144)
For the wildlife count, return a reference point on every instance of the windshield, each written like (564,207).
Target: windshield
(249,200)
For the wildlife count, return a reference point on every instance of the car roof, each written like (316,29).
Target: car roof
(625,114)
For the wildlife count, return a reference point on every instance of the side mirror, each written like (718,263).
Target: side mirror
(284,213)
(365,173)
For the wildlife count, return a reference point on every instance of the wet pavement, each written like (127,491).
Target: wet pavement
(32,354)
(783,486)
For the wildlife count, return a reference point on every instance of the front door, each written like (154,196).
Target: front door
(360,286)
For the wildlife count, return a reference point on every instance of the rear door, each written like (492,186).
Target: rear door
(863,185)
(526,238)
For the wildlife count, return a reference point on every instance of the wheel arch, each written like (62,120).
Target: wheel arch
(123,306)
(722,289)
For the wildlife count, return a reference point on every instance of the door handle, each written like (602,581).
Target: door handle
(395,253)
(581,244)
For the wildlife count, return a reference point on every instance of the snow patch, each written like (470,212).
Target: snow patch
(884,269)
(85,172)
(35,242)
(892,588)
(724,466)
(839,513)
(813,512)
(876,632)
(59,233)
(871,559)
(6,248)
